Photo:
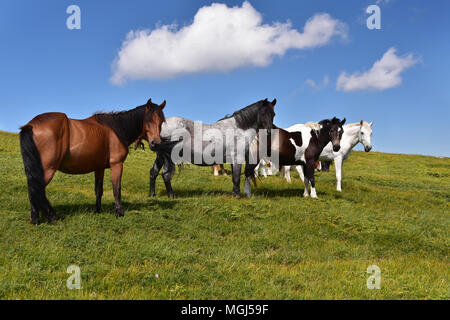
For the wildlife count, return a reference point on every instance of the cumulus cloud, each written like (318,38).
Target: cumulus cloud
(384,74)
(219,39)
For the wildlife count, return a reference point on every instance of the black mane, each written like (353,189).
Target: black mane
(327,122)
(126,124)
(246,117)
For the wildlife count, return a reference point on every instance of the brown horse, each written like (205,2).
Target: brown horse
(52,141)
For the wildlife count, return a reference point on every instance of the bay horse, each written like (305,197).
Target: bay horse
(257,116)
(354,133)
(52,141)
(304,145)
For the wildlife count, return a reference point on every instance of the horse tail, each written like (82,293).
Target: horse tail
(33,168)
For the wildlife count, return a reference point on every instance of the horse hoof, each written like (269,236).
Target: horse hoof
(236,195)
(35,222)
(119,213)
(171,196)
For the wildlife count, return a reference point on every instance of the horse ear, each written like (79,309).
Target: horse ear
(343,121)
(163,104)
(361,123)
(371,124)
(274,102)
(149,104)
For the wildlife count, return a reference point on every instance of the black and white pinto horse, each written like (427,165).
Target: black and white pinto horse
(179,137)
(353,134)
(304,146)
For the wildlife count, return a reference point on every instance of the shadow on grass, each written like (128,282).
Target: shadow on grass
(66,210)
(187,193)
(256,191)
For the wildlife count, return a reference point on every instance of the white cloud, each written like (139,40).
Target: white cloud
(315,85)
(384,74)
(221,39)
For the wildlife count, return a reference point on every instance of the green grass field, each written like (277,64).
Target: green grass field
(393,213)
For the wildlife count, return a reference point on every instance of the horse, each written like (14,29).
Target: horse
(353,134)
(52,141)
(304,145)
(267,168)
(254,117)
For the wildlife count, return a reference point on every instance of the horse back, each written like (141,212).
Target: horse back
(286,151)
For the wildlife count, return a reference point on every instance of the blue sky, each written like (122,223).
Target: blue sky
(47,67)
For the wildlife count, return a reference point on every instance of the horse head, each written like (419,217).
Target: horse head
(266,114)
(365,135)
(335,131)
(151,128)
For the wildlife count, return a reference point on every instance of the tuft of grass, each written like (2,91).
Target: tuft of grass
(205,244)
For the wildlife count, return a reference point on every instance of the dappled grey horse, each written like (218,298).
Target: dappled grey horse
(226,141)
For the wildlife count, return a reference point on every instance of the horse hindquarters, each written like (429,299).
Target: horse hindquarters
(35,176)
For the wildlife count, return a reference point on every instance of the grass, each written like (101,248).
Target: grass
(393,212)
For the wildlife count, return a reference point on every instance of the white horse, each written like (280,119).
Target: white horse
(267,168)
(353,134)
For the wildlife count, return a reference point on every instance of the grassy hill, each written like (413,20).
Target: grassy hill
(393,213)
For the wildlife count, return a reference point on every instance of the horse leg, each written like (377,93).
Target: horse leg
(287,173)
(300,172)
(306,182)
(222,170)
(263,169)
(338,162)
(168,171)
(154,171)
(309,175)
(236,173)
(99,175)
(116,177)
(249,174)
(257,169)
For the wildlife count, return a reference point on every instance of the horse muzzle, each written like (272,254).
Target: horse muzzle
(367,148)
(336,147)
(153,145)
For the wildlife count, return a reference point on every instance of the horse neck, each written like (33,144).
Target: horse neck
(247,118)
(350,137)
(128,124)
(323,138)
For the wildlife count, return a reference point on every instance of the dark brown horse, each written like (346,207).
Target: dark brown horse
(52,141)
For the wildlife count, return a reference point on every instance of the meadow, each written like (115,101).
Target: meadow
(205,244)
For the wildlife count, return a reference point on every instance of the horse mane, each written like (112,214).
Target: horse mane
(358,124)
(313,125)
(317,126)
(126,124)
(245,117)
